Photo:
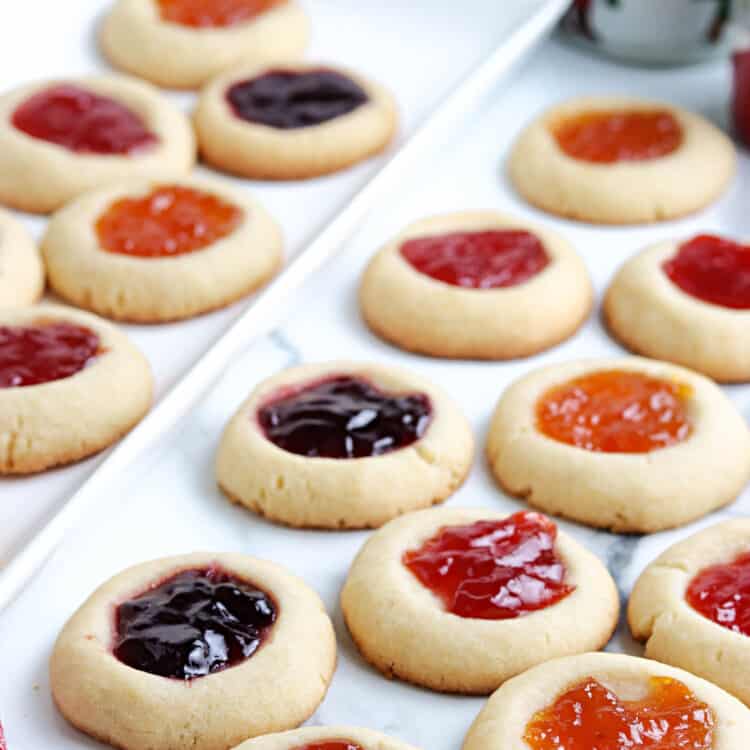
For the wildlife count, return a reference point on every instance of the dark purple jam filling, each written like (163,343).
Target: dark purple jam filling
(286,100)
(344,417)
(193,624)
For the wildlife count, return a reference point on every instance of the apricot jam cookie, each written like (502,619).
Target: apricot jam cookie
(478,285)
(326,738)
(686,302)
(21,269)
(612,160)
(292,121)
(157,251)
(59,370)
(625,444)
(343,445)
(59,139)
(460,600)
(236,647)
(609,702)
(184,43)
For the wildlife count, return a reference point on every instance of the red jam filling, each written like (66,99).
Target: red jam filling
(615,411)
(478,260)
(3,746)
(213,13)
(169,221)
(83,122)
(607,137)
(722,594)
(193,624)
(344,417)
(591,717)
(328,745)
(493,570)
(741,99)
(31,355)
(714,270)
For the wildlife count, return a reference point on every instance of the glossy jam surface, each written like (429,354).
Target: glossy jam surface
(591,717)
(169,221)
(714,270)
(615,411)
(478,260)
(608,137)
(213,13)
(32,355)
(193,624)
(493,570)
(329,745)
(344,417)
(83,122)
(288,100)
(722,594)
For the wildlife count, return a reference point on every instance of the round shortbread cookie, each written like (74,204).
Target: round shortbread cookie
(262,151)
(137,38)
(426,315)
(40,176)
(359,492)
(622,491)
(126,286)
(57,422)
(405,631)
(362,739)
(278,687)
(674,631)
(626,191)
(21,269)
(502,723)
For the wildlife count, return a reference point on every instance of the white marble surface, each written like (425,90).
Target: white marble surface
(169,502)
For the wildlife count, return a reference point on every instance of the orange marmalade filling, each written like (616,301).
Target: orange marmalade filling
(607,137)
(591,717)
(615,411)
(213,13)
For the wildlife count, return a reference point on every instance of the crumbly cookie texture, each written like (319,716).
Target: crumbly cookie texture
(277,688)
(343,493)
(21,269)
(626,492)
(420,314)
(631,192)
(258,151)
(677,634)
(63,421)
(402,629)
(367,739)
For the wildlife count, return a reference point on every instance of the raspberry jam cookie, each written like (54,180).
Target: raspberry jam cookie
(475,285)
(692,606)
(59,139)
(21,269)
(343,445)
(235,646)
(461,600)
(292,121)
(184,43)
(621,161)
(625,444)
(59,369)
(153,252)
(609,702)
(687,302)
(326,738)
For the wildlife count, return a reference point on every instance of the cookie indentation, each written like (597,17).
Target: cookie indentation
(203,14)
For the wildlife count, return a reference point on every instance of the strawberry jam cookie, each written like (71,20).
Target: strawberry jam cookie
(343,445)
(59,369)
(460,600)
(326,738)
(621,161)
(692,606)
(184,43)
(609,702)
(477,285)
(687,302)
(625,444)
(21,269)
(158,251)
(292,121)
(61,138)
(235,646)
